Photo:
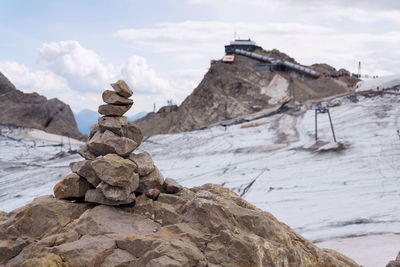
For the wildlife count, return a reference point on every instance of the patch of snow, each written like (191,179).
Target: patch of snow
(369,251)
(355,191)
(30,164)
(381,83)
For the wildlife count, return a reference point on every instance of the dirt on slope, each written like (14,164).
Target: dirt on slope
(35,111)
(230,90)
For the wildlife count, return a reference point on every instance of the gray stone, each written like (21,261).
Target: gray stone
(132,131)
(113,110)
(73,186)
(113,124)
(85,153)
(87,251)
(96,196)
(122,88)
(171,186)
(108,142)
(116,193)
(115,170)
(84,169)
(119,258)
(153,180)
(111,97)
(144,163)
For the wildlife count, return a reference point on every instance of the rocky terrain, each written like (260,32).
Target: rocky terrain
(202,226)
(35,111)
(230,90)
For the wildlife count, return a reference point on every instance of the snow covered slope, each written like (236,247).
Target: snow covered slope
(30,164)
(320,195)
(381,83)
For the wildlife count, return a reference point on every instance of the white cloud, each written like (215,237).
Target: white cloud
(307,10)
(80,66)
(144,79)
(77,76)
(307,43)
(48,84)
(195,36)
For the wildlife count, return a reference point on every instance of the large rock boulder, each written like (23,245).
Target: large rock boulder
(35,111)
(72,187)
(115,170)
(108,142)
(202,226)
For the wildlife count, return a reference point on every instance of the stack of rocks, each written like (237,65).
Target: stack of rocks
(111,174)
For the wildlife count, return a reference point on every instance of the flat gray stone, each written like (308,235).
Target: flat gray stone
(113,124)
(115,170)
(122,88)
(96,196)
(144,163)
(116,193)
(85,153)
(111,97)
(108,142)
(84,169)
(114,110)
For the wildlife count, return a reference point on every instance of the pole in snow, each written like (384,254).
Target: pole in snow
(330,121)
(316,127)
(319,109)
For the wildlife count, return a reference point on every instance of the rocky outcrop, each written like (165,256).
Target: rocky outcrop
(231,90)
(35,111)
(202,226)
(394,263)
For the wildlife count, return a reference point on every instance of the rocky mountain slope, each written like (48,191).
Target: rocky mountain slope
(229,90)
(202,226)
(35,111)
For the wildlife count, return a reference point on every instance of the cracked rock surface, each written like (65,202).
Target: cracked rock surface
(202,226)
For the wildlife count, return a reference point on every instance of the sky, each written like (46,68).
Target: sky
(73,50)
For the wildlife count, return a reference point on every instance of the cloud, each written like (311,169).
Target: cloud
(47,83)
(307,43)
(307,10)
(82,67)
(144,79)
(77,76)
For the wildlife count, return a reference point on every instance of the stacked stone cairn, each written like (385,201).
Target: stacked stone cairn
(111,173)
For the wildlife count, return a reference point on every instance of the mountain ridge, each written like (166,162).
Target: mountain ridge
(31,110)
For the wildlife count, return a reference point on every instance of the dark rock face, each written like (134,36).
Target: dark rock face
(202,226)
(230,90)
(35,111)
(394,263)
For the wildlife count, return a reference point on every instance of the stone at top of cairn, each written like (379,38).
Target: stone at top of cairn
(112,174)
(122,88)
